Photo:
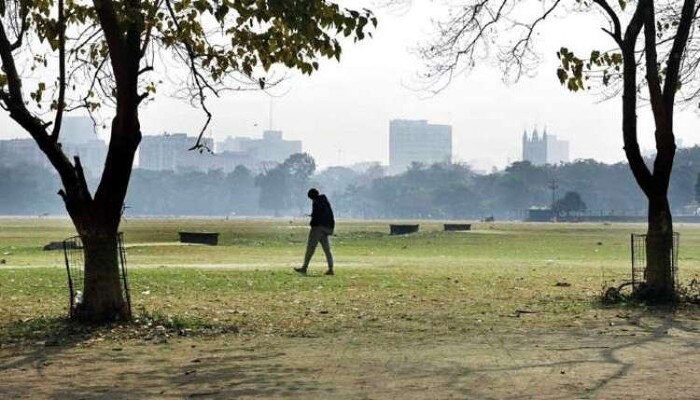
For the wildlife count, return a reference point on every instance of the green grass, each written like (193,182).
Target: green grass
(427,284)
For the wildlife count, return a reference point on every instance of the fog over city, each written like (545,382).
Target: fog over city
(342,112)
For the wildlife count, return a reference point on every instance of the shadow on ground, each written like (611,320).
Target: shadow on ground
(632,357)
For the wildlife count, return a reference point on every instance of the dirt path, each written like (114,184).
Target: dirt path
(635,360)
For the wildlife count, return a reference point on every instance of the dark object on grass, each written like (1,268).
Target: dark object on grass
(520,312)
(209,238)
(457,227)
(3,261)
(58,246)
(563,284)
(612,295)
(396,229)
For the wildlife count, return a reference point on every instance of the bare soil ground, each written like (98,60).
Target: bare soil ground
(650,358)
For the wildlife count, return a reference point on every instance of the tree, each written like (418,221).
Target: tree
(665,57)
(571,202)
(111,52)
(298,169)
(285,185)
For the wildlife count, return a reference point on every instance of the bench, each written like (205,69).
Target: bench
(208,238)
(458,227)
(396,229)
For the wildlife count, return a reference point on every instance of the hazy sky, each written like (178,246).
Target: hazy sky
(342,112)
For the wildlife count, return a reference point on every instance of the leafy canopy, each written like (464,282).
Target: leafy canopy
(221,44)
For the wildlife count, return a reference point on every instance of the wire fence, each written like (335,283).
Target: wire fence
(639,243)
(74,256)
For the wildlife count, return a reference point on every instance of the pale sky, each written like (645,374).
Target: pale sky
(342,112)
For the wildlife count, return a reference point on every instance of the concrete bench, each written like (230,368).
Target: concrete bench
(396,229)
(458,227)
(209,238)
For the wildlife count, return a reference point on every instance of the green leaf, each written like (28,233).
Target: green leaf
(562,75)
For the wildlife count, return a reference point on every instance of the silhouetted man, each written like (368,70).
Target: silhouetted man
(322,226)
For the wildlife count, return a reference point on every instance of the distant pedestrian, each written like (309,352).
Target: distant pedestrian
(322,227)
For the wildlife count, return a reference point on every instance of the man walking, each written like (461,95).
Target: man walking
(322,226)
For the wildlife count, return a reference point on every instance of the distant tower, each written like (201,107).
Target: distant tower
(535,148)
(545,149)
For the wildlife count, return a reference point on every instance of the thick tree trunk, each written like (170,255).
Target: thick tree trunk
(660,282)
(103,300)
(97,221)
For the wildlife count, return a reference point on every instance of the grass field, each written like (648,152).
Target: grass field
(504,311)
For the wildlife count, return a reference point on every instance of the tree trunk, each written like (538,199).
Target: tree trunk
(660,282)
(103,300)
(97,221)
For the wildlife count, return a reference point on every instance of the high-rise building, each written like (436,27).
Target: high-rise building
(170,152)
(78,130)
(417,141)
(22,152)
(272,148)
(77,138)
(545,149)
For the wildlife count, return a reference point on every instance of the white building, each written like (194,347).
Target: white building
(545,149)
(170,152)
(418,141)
(22,152)
(272,148)
(77,138)
(227,161)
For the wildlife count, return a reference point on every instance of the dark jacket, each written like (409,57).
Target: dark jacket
(322,213)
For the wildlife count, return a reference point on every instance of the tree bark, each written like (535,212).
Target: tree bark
(103,300)
(98,222)
(659,280)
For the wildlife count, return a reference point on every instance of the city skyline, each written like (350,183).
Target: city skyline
(346,105)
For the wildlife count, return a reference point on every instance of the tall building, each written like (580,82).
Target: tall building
(418,141)
(545,149)
(21,152)
(170,152)
(272,148)
(77,138)
(77,130)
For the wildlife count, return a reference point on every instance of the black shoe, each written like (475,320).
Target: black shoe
(300,270)
(329,272)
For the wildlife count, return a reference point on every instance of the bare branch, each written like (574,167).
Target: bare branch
(61,72)
(199,81)
(652,66)
(629,104)
(674,59)
(616,34)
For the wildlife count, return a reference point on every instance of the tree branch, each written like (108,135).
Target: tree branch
(652,67)
(110,26)
(616,34)
(199,81)
(629,101)
(674,60)
(61,72)
(17,108)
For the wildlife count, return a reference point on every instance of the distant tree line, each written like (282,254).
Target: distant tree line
(440,191)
